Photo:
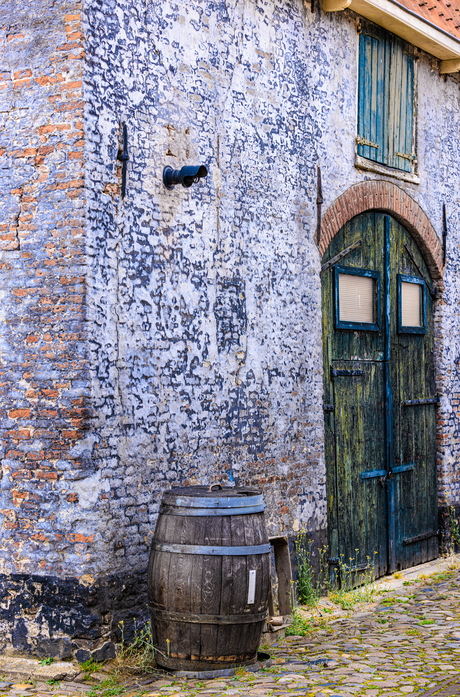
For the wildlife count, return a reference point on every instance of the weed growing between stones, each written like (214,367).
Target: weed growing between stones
(309,589)
(351,588)
(90,666)
(301,625)
(107,688)
(453,563)
(139,655)
(454,531)
(440,576)
(411,631)
(355,587)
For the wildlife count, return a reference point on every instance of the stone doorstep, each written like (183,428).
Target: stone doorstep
(18,669)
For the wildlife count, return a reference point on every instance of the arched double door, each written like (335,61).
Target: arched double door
(379,397)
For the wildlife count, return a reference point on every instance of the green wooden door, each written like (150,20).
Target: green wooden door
(379,397)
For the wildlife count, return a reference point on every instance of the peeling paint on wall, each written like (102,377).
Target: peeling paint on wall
(175,336)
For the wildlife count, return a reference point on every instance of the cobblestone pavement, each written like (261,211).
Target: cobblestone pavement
(407,642)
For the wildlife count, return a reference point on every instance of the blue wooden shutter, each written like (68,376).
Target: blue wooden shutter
(371,102)
(385,101)
(401,109)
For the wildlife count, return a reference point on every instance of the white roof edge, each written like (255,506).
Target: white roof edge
(404,23)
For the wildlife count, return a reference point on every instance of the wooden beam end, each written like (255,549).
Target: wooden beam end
(450,66)
(335,5)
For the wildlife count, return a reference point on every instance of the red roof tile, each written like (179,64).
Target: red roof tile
(443,13)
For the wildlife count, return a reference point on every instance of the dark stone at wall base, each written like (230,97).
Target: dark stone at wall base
(49,616)
(55,648)
(104,652)
(82,655)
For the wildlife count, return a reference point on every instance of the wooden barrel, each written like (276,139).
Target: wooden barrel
(209,578)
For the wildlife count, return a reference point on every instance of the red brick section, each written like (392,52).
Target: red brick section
(442,13)
(43,371)
(387,197)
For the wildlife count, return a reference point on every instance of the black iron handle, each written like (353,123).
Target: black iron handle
(124,157)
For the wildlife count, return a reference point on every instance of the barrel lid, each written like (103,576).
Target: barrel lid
(216,491)
(215,500)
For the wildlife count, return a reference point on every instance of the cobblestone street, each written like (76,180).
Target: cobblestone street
(407,642)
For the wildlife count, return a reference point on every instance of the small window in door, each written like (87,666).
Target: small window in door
(411,305)
(357,298)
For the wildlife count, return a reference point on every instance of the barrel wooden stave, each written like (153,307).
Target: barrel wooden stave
(208,585)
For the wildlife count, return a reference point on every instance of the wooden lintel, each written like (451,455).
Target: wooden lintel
(335,5)
(450,66)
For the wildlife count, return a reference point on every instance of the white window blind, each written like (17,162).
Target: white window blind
(356,298)
(411,304)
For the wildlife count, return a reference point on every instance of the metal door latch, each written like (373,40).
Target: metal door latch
(388,475)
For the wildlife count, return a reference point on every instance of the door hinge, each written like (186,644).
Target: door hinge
(405,156)
(415,402)
(373,473)
(337,561)
(345,373)
(363,141)
(420,538)
(340,256)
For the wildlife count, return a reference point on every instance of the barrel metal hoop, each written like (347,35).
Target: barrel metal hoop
(213,502)
(170,509)
(214,550)
(207,619)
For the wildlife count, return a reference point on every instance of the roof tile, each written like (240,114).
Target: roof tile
(443,13)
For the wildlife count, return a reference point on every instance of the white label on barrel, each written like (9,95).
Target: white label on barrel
(252,587)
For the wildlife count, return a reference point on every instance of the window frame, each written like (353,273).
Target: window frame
(356,271)
(366,27)
(416,280)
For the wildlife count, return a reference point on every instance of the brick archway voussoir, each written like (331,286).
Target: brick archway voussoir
(389,198)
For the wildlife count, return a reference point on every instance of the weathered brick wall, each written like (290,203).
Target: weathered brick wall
(183,343)
(48,528)
(205,302)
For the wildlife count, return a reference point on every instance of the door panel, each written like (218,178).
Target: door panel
(359,418)
(380,450)
(412,376)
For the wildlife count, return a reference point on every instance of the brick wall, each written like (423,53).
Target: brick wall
(46,530)
(204,302)
(174,337)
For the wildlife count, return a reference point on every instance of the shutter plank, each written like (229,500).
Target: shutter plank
(380,102)
(409,114)
(370,98)
(401,100)
(394,103)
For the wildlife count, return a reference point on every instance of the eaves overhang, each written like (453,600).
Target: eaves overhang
(408,25)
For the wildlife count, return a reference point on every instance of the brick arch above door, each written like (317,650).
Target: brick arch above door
(387,197)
